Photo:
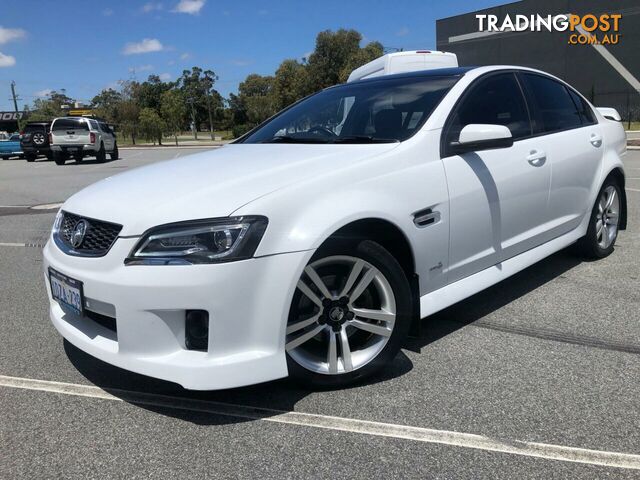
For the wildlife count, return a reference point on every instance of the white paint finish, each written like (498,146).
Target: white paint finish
(478,132)
(493,206)
(499,196)
(348,425)
(402,62)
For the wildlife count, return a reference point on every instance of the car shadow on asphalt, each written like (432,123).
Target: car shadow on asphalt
(283,395)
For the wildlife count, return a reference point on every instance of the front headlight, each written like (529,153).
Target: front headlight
(201,241)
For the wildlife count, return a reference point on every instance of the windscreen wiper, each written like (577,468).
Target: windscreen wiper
(290,139)
(363,139)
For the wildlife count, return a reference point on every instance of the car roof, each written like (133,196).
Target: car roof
(432,72)
(37,123)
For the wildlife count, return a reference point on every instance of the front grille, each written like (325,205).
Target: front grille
(98,238)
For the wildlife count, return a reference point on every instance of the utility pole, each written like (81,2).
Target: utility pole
(15,102)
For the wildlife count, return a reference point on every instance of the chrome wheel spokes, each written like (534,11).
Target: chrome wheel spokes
(607,217)
(343,316)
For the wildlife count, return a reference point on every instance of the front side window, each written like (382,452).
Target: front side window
(386,110)
(554,109)
(495,100)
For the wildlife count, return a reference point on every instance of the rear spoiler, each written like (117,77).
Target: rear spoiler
(609,113)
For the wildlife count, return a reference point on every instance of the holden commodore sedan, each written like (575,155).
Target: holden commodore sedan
(309,246)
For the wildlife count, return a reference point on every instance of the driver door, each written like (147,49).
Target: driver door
(498,197)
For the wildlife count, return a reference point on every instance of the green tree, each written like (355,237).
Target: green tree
(106,104)
(203,100)
(174,112)
(47,108)
(256,100)
(151,125)
(290,83)
(148,94)
(336,54)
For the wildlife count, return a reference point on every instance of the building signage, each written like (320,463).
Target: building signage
(10,116)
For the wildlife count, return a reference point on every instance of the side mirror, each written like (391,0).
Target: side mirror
(476,136)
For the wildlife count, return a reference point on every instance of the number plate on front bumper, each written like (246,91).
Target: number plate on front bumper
(66,291)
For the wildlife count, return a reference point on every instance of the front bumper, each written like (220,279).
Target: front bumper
(248,303)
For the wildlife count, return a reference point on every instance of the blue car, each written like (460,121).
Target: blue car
(11,148)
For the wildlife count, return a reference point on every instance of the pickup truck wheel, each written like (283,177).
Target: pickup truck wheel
(59,158)
(30,157)
(349,315)
(115,154)
(101,156)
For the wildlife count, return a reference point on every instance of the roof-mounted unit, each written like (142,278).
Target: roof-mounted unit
(401,62)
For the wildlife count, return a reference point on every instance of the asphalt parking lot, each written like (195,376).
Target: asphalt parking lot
(512,383)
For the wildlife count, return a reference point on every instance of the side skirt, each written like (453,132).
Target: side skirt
(448,295)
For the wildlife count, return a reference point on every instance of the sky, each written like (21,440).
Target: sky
(85,47)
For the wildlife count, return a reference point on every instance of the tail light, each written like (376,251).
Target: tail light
(92,137)
(50,138)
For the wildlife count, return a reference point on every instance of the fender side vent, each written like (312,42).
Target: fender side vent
(426,217)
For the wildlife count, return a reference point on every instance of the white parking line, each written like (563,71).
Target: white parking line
(5,244)
(458,439)
(631,189)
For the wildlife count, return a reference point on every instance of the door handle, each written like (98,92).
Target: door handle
(537,158)
(595,139)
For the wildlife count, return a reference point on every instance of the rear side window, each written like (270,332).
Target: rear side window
(69,124)
(496,100)
(584,110)
(554,109)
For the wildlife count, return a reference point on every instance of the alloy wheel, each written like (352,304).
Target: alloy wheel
(607,217)
(342,316)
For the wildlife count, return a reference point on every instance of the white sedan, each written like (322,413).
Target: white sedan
(307,247)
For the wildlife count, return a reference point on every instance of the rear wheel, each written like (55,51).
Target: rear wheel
(101,156)
(603,226)
(30,157)
(349,316)
(59,158)
(115,154)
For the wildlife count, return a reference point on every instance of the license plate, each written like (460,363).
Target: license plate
(66,291)
(72,149)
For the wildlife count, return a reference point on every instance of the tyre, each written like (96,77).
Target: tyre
(115,154)
(603,226)
(30,157)
(348,317)
(101,156)
(59,158)
(4,157)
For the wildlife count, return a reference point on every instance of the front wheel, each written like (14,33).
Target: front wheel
(349,315)
(603,226)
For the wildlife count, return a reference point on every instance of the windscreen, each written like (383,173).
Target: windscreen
(381,111)
(70,124)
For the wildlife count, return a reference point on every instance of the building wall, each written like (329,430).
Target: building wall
(580,65)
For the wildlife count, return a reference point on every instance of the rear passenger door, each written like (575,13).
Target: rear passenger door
(107,136)
(498,197)
(572,140)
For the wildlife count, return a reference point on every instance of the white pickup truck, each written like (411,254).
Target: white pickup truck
(80,137)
